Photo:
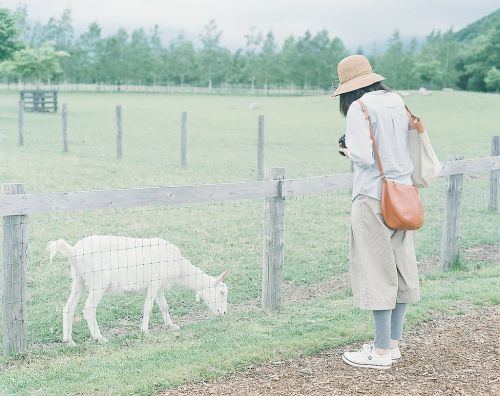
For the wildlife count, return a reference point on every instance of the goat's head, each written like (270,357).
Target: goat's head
(215,296)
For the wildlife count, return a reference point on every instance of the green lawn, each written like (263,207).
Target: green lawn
(301,134)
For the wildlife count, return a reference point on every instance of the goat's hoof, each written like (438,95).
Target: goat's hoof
(102,340)
(70,342)
(145,331)
(173,327)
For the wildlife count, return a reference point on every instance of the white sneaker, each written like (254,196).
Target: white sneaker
(366,357)
(395,352)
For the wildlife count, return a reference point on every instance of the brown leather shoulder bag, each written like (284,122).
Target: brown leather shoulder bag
(401,204)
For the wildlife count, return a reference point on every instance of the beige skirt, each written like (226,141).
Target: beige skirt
(383,267)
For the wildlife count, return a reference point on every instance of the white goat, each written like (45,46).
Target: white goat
(118,264)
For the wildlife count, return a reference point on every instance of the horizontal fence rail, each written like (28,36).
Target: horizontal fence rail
(470,166)
(16,205)
(171,89)
(126,198)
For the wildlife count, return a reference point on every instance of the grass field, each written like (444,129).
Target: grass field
(301,135)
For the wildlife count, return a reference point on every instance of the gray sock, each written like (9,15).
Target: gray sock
(388,325)
(397,320)
(382,319)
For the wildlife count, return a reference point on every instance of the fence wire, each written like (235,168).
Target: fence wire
(168,256)
(317,230)
(181,251)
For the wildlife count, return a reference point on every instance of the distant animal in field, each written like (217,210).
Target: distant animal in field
(253,106)
(424,91)
(118,264)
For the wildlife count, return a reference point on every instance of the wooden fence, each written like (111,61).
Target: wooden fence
(119,135)
(39,100)
(226,89)
(16,205)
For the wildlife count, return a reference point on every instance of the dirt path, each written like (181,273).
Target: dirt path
(455,355)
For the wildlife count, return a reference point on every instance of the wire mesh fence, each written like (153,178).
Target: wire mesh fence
(129,259)
(119,272)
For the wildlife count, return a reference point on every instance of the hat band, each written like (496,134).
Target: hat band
(357,75)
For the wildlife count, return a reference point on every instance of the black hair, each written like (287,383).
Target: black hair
(347,98)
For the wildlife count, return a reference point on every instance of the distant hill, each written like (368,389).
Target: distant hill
(470,32)
(375,48)
(480,27)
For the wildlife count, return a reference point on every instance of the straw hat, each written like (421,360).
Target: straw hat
(355,72)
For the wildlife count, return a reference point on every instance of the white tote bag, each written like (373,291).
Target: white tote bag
(426,165)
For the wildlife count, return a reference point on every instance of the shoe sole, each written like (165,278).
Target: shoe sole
(374,366)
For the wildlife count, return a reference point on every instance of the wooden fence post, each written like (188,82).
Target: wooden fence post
(119,132)
(54,99)
(272,264)
(453,196)
(184,140)
(64,114)
(494,175)
(20,121)
(15,244)
(260,149)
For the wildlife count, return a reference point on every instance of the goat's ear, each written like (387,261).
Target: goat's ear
(222,276)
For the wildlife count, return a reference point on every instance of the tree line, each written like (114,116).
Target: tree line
(51,52)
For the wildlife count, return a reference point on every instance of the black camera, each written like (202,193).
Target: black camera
(342,144)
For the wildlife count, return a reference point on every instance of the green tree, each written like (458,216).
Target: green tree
(268,68)
(158,55)
(112,61)
(289,62)
(59,31)
(139,58)
(38,64)
(9,42)
(440,52)
(236,73)
(429,72)
(492,79)
(181,60)
(396,63)
(252,49)
(212,57)
(82,64)
(321,68)
(478,57)
(305,59)
(336,52)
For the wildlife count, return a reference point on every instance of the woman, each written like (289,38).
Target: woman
(383,267)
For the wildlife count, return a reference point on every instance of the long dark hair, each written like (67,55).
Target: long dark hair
(347,98)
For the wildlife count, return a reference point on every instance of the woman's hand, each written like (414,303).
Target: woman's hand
(415,122)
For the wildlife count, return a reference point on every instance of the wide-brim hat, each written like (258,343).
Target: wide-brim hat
(355,72)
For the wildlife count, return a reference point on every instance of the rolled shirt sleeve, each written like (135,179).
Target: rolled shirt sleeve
(357,137)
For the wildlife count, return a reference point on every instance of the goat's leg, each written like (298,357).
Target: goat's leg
(89,313)
(148,306)
(69,309)
(162,303)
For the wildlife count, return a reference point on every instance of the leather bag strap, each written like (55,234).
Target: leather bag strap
(372,137)
(410,117)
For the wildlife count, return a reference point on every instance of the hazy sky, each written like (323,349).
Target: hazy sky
(354,21)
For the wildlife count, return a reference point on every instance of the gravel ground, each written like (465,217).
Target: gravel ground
(455,355)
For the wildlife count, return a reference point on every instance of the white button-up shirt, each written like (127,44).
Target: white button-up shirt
(390,126)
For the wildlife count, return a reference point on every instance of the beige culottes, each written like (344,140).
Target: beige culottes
(383,267)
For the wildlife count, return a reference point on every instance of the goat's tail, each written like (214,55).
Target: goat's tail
(62,247)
